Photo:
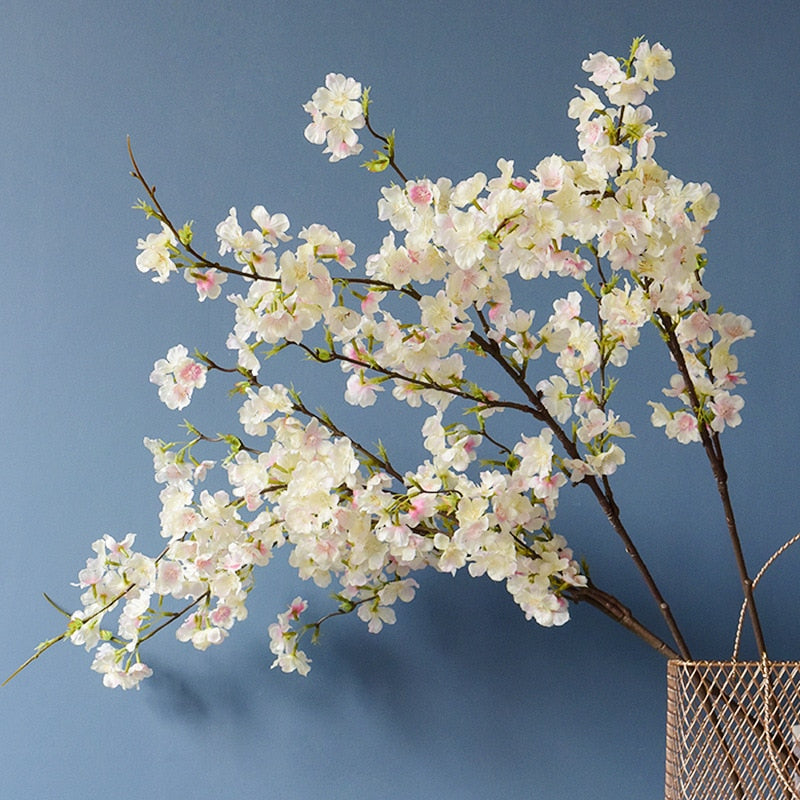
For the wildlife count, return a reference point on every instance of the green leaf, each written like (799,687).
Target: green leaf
(365,101)
(186,233)
(191,428)
(378,164)
(233,442)
(56,606)
(143,205)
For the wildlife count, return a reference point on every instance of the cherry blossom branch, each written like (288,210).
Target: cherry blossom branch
(329,356)
(303,409)
(537,409)
(345,607)
(605,500)
(713,449)
(382,463)
(173,616)
(150,189)
(613,608)
(211,364)
(388,148)
(74,625)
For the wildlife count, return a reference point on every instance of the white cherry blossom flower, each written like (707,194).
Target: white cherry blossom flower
(157,252)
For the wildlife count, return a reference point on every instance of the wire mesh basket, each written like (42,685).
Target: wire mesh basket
(733,729)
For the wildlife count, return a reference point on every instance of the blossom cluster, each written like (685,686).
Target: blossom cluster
(436,298)
(177,376)
(309,490)
(336,114)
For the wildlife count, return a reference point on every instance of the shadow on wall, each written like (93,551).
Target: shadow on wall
(462,643)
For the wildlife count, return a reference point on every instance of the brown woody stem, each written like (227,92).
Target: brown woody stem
(713,449)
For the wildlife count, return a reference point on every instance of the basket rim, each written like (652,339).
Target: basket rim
(679,662)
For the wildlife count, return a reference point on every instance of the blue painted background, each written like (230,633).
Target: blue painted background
(462,698)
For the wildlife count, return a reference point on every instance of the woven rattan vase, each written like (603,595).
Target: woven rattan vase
(731,729)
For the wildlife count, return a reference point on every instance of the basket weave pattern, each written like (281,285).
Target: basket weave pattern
(730,730)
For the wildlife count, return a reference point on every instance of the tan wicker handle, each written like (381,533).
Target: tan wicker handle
(780,551)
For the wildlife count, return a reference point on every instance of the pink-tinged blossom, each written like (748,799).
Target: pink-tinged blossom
(420,507)
(169,578)
(546,488)
(733,327)
(592,425)
(327,244)
(177,377)
(566,264)
(195,629)
(726,408)
(535,453)
(698,327)
(223,616)
(361,391)
(683,427)
(371,303)
(208,283)
(296,608)
(420,192)
(107,662)
(550,173)
(604,69)
(112,549)
(593,134)
(567,308)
